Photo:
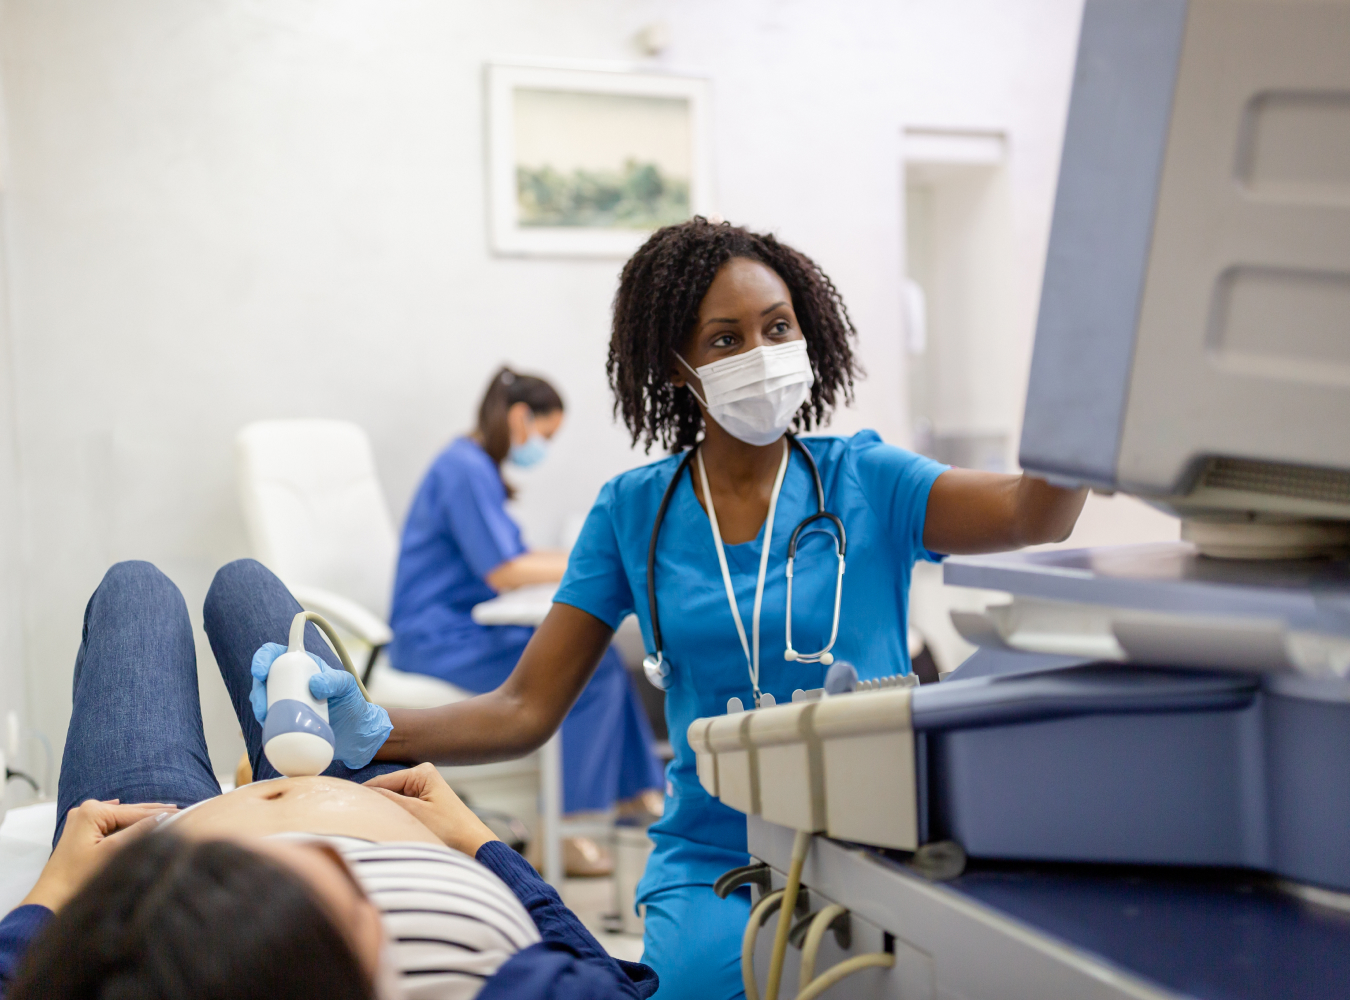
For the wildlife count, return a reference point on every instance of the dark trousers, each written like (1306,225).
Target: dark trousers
(136,719)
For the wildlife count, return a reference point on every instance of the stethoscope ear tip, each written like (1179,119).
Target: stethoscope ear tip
(826,659)
(790,654)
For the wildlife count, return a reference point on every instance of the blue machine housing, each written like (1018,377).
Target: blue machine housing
(1111,764)
(1114,145)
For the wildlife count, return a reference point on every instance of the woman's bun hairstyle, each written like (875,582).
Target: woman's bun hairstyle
(506,389)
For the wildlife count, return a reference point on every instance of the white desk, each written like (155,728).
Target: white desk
(522,606)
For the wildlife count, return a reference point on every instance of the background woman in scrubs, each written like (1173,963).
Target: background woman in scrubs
(460,547)
(695,299)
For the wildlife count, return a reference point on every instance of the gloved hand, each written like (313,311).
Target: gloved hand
(360,727)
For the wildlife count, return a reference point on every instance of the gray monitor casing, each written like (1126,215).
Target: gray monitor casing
(1193,343)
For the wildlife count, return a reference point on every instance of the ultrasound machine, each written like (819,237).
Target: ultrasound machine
(1139,785)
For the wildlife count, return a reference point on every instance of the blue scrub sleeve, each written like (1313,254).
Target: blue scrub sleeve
(896,483)
(569,964)
(17,932)
(472,505)
(596,581)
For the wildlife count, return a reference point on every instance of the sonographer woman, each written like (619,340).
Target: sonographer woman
(460,547)
(723,341)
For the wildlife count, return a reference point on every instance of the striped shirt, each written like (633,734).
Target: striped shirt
(451,923)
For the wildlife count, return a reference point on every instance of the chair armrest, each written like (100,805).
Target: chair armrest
(345,613)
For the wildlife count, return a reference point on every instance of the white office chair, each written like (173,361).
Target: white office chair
(316,517)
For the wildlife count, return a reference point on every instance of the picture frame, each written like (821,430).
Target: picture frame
(589,160)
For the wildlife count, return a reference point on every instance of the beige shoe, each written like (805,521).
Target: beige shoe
(243,772)
(645,807)
(584,858)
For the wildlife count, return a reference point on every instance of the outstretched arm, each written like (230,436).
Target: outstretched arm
(539,566)
(971,512)
(517,717)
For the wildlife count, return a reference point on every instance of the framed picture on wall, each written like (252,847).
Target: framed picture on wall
(589,161)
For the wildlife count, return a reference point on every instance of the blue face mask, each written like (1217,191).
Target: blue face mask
(532,452)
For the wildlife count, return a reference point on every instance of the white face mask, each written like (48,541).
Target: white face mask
(754,396)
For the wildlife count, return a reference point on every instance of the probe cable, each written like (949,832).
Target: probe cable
(758,915)
(785,901)
(846,968)
(297,642)
(820,923)
(800,846)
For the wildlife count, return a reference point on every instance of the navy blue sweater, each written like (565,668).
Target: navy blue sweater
(569,964)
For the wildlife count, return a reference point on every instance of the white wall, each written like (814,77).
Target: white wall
(1005,66)
(12,675)
(12,679)
(225,210)
(961,253)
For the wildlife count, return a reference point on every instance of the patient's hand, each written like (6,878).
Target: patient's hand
(423,792)
(94,831)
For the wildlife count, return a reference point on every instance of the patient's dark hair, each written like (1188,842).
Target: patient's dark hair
(656,308)
(506,389)
(169,918)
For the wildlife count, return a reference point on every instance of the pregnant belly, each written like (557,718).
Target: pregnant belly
(304,805)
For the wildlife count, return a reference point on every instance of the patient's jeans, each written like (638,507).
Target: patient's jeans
(136,720)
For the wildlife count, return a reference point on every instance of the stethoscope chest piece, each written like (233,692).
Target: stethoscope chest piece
(657,670)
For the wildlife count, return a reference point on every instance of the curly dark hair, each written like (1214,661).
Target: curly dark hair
(656,308)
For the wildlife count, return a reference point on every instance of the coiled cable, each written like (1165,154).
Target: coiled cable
(820,924)
(297,641)
(846,968)
(767,904)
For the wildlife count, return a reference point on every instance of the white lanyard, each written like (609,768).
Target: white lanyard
(751,659)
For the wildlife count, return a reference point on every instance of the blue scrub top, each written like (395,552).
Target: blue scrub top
(880,492)
(457,532)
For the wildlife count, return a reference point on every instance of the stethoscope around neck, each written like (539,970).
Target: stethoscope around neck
(654,665)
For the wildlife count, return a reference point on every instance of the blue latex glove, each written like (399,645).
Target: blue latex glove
(360,727)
